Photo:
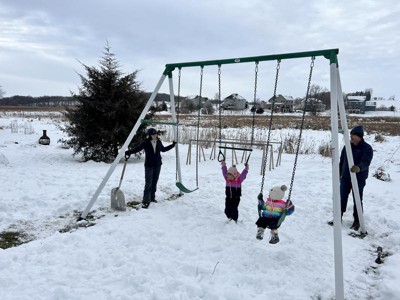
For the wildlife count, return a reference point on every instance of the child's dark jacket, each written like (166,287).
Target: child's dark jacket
(153,158)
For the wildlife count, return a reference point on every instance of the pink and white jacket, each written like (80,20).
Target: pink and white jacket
(233,188)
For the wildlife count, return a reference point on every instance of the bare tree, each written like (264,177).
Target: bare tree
(208,108)
(2,93)
(368,93)
(322,94)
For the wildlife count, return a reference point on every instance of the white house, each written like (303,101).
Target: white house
(234,102)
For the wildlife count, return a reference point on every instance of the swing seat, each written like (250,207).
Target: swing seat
(182,188)
(282,218)
(289,206)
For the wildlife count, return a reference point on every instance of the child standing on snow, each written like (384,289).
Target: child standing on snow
(271,211)
(233,189)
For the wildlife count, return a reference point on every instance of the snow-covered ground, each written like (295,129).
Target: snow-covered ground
(185,249)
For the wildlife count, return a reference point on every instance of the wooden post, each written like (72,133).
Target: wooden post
(188,158)
(263,158)
(278,161)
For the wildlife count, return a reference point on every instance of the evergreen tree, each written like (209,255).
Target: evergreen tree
(109,104)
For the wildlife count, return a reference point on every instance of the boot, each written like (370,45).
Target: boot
(355,226)
(260,233)
(274,237)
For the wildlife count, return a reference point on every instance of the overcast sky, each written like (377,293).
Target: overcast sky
(43,42)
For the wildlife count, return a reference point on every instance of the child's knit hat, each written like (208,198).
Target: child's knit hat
(277,192)
(232,172)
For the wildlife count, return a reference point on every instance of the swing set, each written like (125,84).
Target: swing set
(168,72)
(337,108)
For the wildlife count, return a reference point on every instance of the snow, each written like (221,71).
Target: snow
(185,249)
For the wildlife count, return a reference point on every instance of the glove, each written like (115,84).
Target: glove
(260,197)
(127,154)
(223,163)
(355,169)
(247,167)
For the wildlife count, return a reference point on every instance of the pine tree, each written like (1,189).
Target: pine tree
(109,104)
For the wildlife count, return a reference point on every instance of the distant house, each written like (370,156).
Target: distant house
(191,103)
(234,102)
(356,104)
(282,103)
(196,99)
(370,105)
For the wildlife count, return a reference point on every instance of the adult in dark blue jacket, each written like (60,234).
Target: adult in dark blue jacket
(362,156)
(152,147)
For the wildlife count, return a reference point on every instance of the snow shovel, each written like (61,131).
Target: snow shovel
(117,196)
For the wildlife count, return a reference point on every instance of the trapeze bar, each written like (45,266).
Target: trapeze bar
(157,122)
(234,148)
(328,54)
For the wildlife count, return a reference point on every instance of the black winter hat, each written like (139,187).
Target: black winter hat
(151,131)
(358,130)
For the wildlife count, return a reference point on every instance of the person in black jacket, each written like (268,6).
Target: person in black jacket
(152,147)
(362,156)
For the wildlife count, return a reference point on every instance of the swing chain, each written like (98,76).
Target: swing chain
(177,115)
(255,103)
(221,156)
(179,92)
(301,127)
(278,66)
(219,104)
(198,126)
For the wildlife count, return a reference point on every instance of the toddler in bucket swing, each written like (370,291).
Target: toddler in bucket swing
(272,212)
(233,189)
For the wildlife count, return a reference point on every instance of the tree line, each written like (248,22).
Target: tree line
(37,101)
(56,101)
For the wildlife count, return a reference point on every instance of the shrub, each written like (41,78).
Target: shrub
(379,138)
(325,150)
(260,110)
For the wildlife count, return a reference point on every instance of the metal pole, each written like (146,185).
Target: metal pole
(339,290)
(173,114)
(122,150)
(349,154)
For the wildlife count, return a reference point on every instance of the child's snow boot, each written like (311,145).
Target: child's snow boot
(274,237)
(260,233)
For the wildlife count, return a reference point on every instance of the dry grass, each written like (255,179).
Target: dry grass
(240,127)
(32,112)
(325,150)
(389,126)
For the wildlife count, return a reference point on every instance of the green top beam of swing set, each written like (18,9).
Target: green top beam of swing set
(330,54)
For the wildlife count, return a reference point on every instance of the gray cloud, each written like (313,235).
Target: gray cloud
(42,41)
